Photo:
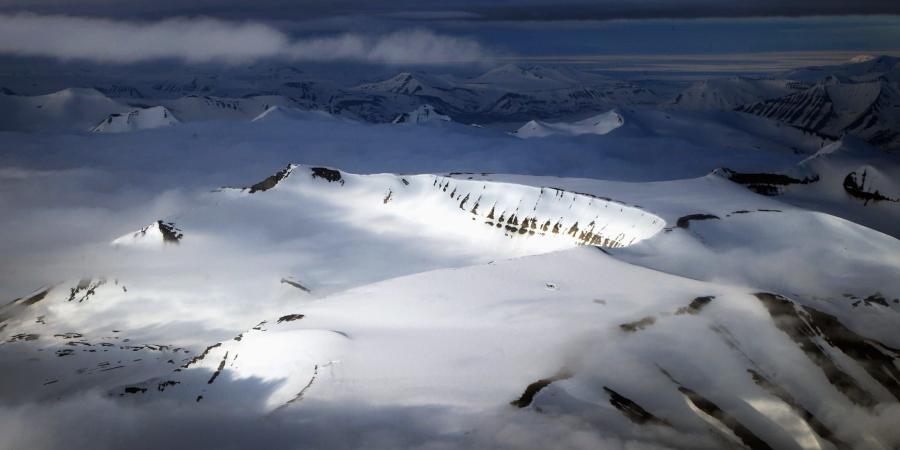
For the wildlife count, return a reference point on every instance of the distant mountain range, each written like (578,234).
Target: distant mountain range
(860,98)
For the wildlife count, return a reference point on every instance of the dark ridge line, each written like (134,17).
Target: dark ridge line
(218,370)
(87,286)
(685,221)
(296,285)
(7,310)
(768,184)
(637,325)
(329,175)
(161,386)
(290,318)
(765,178)
(800,325)
(865,351)
(747,211)
(874,299)
(742,432)
(695,306)
(513,226)
(170,234)
(779,392)
(632,410)
(270,181)
(299,395)
(858,190)
(24,337)
(36,297)
(532,390)
(199,357)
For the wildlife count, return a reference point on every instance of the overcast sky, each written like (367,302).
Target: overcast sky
(438,31)
(504,10)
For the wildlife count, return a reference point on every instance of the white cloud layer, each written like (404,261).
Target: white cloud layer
(212,40)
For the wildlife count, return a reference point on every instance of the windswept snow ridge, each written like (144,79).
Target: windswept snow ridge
(453,204)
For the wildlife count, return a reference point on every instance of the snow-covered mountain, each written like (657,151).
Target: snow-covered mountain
(136,119)
(848,177)
(511,92)
(835,106)
(861,59)
(68,109)
(620,329)
(402,83)
(154,235)
(519,78)
(422,114)
(502,94)
(730,93)
(869,68)
(268,273)
(599,124)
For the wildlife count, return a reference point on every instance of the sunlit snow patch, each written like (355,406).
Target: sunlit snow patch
(549,218)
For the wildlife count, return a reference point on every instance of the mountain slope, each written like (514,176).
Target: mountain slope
(136,119)
(730,93)
(869,110)
(599,124)
(69,109)
(422,114)
(668,329)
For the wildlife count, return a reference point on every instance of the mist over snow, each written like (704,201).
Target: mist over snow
(220,232)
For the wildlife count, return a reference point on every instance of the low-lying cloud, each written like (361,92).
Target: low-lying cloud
(212,40)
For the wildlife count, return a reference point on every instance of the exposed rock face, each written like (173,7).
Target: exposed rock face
(770,184)
(270,181)
(534,388)
(855,185)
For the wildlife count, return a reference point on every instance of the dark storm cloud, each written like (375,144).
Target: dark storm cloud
(494,10)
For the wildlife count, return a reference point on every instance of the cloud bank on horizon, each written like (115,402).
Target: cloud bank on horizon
(204,40)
